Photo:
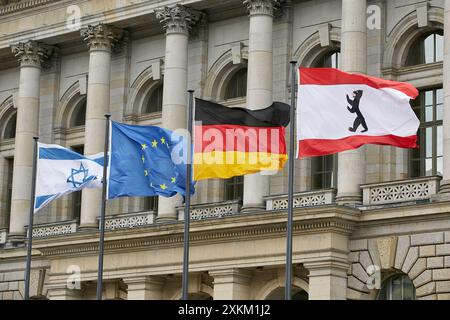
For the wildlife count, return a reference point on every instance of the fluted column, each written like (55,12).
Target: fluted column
(31,55)
(259,85)
(445,184)
(100,40)
(351,166)
(177,21)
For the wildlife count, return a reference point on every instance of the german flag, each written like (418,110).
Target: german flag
(232,142)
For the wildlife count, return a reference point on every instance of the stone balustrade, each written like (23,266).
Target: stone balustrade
(54,229)
(304,199)
(130,220)
(400,191)
(211,210)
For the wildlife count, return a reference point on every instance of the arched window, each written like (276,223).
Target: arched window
(154,102)
(234,189)
(279,294)
(78,117)
(323,169)
(428,159)
(429,48)
(398,287)
(237,85)
(10,127)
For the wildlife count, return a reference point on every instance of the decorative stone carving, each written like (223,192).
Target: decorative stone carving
(31,53)
(211,211)
(101,36)
(301,200)
(400,191)
(55,229)
(131,220)
(262,7)
(177,19)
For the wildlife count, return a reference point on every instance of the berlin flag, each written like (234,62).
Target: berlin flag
(339,111)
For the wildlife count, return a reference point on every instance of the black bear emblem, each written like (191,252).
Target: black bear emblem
(360,120)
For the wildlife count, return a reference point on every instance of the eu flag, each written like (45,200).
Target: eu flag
(146,161)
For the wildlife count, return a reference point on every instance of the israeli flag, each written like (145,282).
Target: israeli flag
(61,171)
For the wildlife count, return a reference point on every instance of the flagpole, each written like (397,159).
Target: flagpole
(187,204)
(101,245)
(31,221)
(288,285)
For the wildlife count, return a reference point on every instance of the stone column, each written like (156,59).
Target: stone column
(351,166)
(177,21)
(145,288)
(231,284)
(31,55)
(100,40)
(259,85)
(445,184)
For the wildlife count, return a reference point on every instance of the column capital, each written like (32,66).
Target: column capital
(177,19)
(101,37)
(261,7)
(232,275)
(31,53)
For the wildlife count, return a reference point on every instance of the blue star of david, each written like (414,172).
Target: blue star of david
(79,176)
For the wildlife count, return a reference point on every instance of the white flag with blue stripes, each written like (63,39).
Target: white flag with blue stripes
(61,171)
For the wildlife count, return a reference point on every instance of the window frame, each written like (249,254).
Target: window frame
(434,124)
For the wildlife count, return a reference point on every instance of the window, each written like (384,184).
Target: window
(237,85)
(9,179)
(323,169)
(428,159)
(151,204)
(234,189)
(10,128)
(398,287)
(78,117)
(76,196)
(155,100)
(427,49)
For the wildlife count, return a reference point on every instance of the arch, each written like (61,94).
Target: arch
(7,114)
(68,106)
(205,293)
(220,73)
(405,33)
(273,285)
(311,49)
(140,90)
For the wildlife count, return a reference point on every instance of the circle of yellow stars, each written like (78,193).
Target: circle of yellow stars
(154,144)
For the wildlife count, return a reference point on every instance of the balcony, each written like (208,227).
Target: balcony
(412,190)
(211,210)
(129,220)
(54,229)
(301,200)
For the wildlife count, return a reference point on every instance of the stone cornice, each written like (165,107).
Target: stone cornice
(101,37)
(177,19)
(261,7)
(31,53)
(248,226)
(14,6)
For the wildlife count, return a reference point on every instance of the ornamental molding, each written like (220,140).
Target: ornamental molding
(262,7)
(174,238)
(32,53)
(54,229)
(11,6)
(101,37)
(178,19)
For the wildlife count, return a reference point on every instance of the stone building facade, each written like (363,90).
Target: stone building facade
(373,223)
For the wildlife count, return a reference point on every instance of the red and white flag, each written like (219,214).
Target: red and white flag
(339,111)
